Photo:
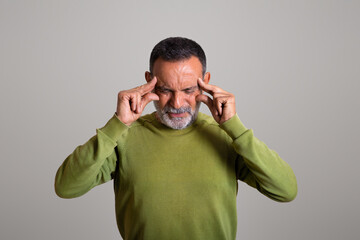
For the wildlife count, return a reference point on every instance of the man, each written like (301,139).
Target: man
(175,171)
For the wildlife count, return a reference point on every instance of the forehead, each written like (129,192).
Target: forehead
(179,74)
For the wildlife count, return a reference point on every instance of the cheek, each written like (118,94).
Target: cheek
(163,100)
(191,100)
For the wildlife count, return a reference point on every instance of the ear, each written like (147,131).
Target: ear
(148,76)
(207,77)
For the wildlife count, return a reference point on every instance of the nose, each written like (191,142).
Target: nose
(177,100)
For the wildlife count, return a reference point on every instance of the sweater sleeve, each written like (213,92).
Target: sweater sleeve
(92,163)
(259,166)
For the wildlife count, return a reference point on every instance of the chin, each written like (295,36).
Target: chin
(177,122)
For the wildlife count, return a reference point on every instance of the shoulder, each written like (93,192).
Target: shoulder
(148,119)
(206,123)
(208,127)
(206,120)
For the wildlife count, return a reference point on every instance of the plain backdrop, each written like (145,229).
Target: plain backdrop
(294,67)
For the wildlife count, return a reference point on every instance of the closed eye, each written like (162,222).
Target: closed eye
(190,90)
(163,90)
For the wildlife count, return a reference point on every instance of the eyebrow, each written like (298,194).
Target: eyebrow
(161,88)
(193,88)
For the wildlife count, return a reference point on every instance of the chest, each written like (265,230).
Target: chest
(195,160)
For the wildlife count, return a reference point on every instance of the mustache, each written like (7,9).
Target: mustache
(169,109)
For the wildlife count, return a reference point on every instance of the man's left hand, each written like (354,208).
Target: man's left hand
(222,103)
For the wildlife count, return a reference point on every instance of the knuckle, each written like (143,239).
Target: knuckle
(120,94)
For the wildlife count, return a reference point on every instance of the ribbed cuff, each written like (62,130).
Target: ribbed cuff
(234,127)
(114,128)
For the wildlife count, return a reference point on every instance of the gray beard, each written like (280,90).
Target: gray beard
(176,123)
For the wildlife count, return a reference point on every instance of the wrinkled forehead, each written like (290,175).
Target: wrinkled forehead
(180,74)
(177,82)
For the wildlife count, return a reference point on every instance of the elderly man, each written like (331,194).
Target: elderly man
(175,171)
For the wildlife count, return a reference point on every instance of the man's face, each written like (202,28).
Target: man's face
(177,89)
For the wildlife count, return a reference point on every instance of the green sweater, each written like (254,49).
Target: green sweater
(176,184)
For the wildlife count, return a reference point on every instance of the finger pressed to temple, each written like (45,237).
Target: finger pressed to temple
(206,87)
(148,87)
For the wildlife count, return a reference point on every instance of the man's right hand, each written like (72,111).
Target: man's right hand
(131,103)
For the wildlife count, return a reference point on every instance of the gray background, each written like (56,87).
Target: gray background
(292,65)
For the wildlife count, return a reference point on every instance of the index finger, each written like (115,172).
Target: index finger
(207,87)
(147,87)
